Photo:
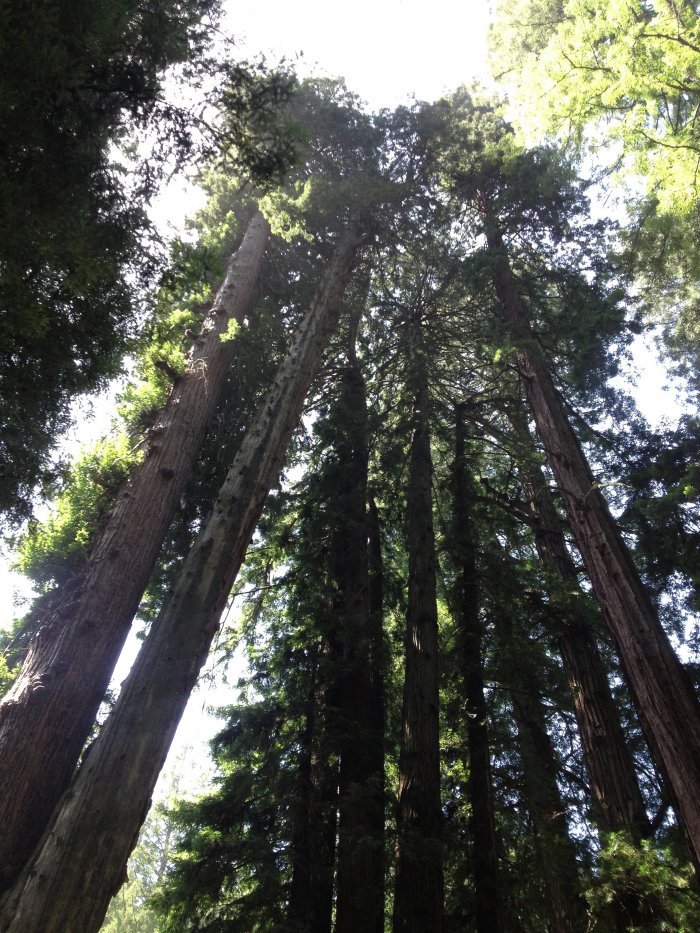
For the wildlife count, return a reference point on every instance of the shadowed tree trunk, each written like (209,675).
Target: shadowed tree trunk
(300,888)
(418,894)
(82,860)
(316,806)
(324,827)
(548,814)
(360,897)
(617,800)
(483,827)
(668,709)
(47,716)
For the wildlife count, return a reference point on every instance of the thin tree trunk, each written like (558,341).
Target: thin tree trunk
(299,906)
(418,895)
(489,917)
(668,709)
(82,860)
(46,718)
(323,830)
(548,814)
(617,800)
(360,891)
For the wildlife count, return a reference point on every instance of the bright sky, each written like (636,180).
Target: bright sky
(388,51)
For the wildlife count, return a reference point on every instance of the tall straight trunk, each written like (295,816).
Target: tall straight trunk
(46,718)
(419,885)
(360,885)
(299,904)
(81,862)
(489,917)
(315,818)
(666,703)
(553,843)
(617,800)
(324,826)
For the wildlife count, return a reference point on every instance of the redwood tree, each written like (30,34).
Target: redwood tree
(513,194)
(617,799)
(489,917)
(47,716)
(418,893)
(82,862)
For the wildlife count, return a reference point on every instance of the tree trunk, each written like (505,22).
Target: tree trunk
(82,860)
(668,709)
(360,897)
(299,906)
(489,917)
(418,896)
(617,800)
(548,814)
(46,718)
(323,826)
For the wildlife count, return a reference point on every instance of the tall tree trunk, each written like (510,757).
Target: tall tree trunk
(418,895)
(316,812)
(324,827)
(46,718)
(360,897)
(489,917)
(617,800)
(667,706)
(299,905)
(82,860)
(548,814)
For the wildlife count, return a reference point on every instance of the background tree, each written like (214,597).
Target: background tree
(83,93)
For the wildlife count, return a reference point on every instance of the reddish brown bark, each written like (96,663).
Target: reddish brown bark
(419,884)
(360,880)
(46,718)
(489,915)
(81,861)
(668,709)
(617,800)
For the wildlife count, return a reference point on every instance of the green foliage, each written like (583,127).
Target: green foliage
(429,168)
(74,78)
(129,911)
(51,551)
(627,874)
(7,676)
(621,79)
(79,82)
(630,68)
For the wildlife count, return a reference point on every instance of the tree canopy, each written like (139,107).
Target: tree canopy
(469,560)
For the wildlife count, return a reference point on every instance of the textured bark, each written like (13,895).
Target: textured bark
(617,800)
(360,884)
(46,718)
(668,709)
(489,917)
(553,843)
(81,863)
(419,885)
